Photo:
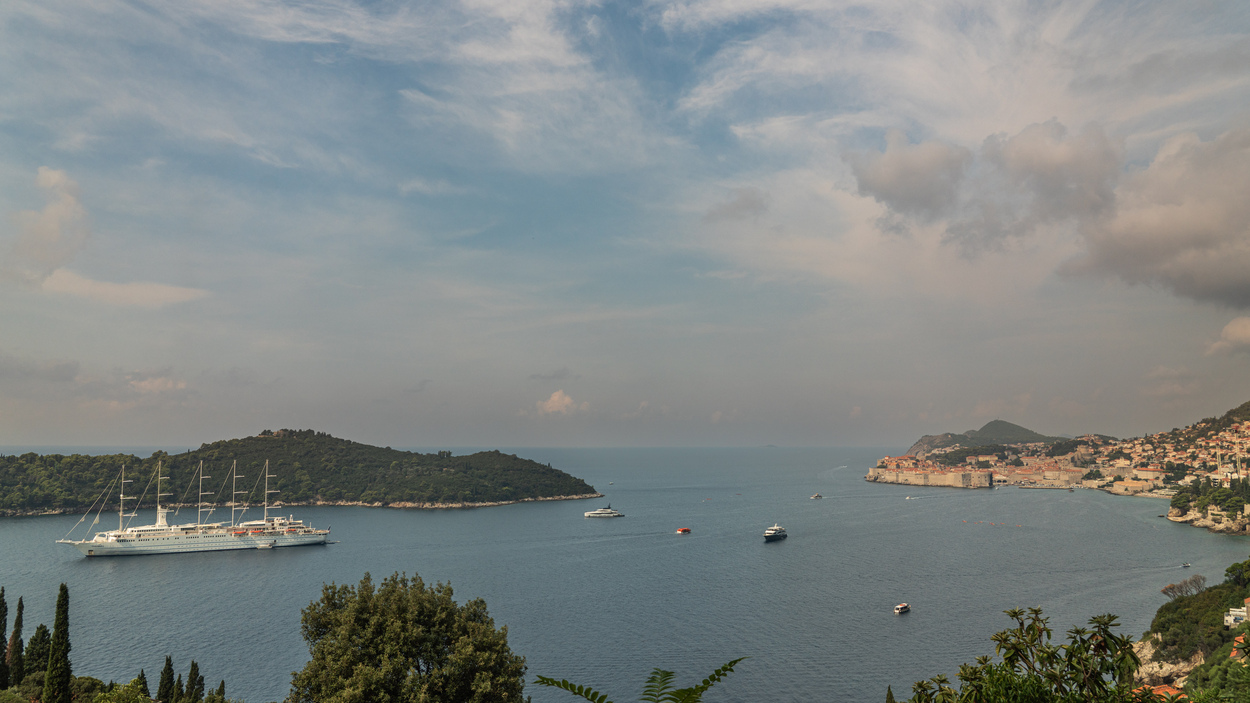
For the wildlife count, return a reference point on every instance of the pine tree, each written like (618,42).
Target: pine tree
(142,680)
(17,670)
(35,654)
(165,687)
(59,679)
(4,640)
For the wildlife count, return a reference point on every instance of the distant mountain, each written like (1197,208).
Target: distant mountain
(308,466)
(995,432)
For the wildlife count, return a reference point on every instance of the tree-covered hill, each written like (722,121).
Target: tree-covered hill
(994,432)
(308,466)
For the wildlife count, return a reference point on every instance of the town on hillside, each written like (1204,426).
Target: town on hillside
(1214,450)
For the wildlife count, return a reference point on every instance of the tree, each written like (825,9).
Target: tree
(889,695)
(57,683)
(35,654)
(142,680)
(1096,666)
(4,632)
(134,692)
(165,685)
(13,656)
(195,685)
(404,641)
(657,689)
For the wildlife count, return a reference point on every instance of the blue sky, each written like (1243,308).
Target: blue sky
(564,223)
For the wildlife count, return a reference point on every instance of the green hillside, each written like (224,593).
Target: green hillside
(309,466)
(993,433)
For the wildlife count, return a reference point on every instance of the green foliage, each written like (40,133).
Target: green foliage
(165,684)
(58,682)
(658,687)
(16,660)
(133,692)
(960,456)
(1064,447)
(4,627)
(1091,475)
(35,656)
(1195,623)
(1095,666)
(404,642)
(310,466)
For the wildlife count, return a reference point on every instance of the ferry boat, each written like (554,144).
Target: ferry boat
(901,608)
(200,536)
(774,533)
(604,512)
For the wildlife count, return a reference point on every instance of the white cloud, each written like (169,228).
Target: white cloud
(1234,338)
(138,294)
(560,404)
(50,238)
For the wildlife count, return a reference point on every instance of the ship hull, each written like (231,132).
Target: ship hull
(208,542)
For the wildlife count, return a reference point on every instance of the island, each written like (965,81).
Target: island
(309,468)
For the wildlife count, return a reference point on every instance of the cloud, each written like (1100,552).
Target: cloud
(1168,384)
(143,295)
(560,403)
(431,188)
(745,204)
(1234,338)
(920,180)
(50,238)
(559,374)
(1182,223)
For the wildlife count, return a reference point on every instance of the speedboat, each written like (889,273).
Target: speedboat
(774,533)
(901,608)
(683,530)
(1185,565)
(817,497)
(604,512)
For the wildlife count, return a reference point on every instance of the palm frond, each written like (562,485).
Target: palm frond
(586,692)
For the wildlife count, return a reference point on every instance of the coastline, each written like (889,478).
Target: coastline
(34,512)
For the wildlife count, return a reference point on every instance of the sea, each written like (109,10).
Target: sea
(604,602)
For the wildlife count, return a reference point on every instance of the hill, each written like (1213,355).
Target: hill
(995,432)
(310,467)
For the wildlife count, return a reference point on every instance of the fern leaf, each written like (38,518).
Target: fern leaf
(585,692)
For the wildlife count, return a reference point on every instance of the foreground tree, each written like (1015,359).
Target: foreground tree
(165,684)
(13,657)
(657,689)
(404,642)
(4,641)
(1095,666)
(59,679)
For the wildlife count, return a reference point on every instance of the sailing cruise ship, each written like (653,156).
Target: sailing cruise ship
(163,538)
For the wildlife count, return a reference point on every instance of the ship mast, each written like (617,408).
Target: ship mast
(267,491)
(121,501)
(160,512)
(199,506)
(234,472)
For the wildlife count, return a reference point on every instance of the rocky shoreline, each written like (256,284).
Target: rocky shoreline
(31,512)
(1221,524)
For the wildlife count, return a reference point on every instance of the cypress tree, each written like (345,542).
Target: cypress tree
(165,686)
(221,691)
(889,695)
(17,671)
(4,641)
(195,685)
(142,680)
(178,691)
(59,679)
(35,653)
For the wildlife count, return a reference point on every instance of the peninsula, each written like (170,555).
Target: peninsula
(311,468)
(1186,463)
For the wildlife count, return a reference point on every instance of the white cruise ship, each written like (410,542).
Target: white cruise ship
(163,538)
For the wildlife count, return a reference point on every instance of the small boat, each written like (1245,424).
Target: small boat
(817,497)
(901,608)
(1185,565)
(604,512)
(774,533)
(683,530)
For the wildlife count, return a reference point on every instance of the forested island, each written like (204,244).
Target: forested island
(309,468)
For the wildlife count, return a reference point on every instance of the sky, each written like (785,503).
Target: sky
(597,223)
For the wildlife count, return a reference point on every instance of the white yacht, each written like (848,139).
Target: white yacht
(200,536)
(604,512)
(774,533)
(901,608)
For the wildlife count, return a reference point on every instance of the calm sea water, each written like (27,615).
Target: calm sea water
(603,602)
